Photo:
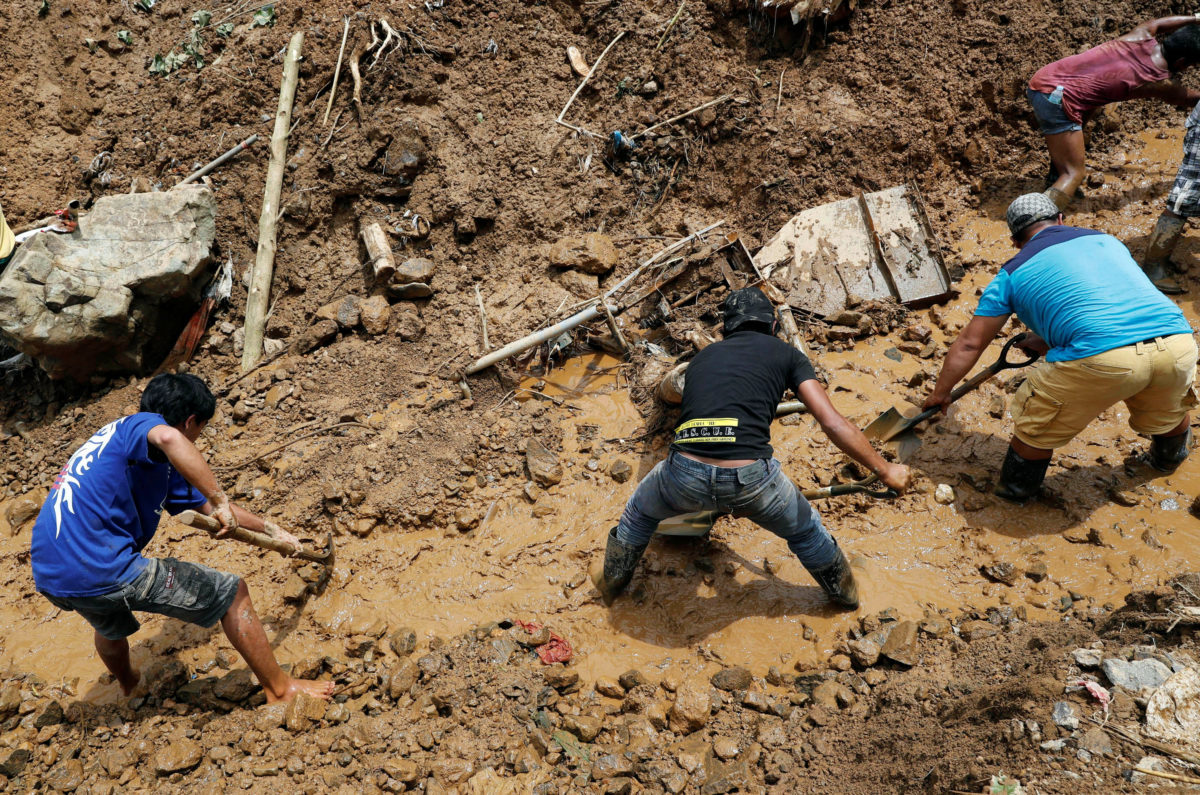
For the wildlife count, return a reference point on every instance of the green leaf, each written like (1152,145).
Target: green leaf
(145,5)
(90,44)
(225,29)
(125,37)
(44,8)
(165,64)
(201,18)
(264,17)
(193,51)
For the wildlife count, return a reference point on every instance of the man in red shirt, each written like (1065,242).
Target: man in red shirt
(1066,93)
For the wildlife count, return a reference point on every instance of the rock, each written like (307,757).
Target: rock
(692,706)
(611,766)
(730,679)
(1173,712)
(840,662)
(416,269)
(10,700)
(860,322)
(530,638)
(934,626)
(621,471)
(1003,572)
(1037,571)
(631,679)
(20,511)
(403,770)
(592,253)
(901,644)
(15,763)
(1064,716)
(1135,675)
(832,695)
(376,315)
(585,727)
(918,332)
(302,711)
(101,299)
(270,716)
(943,494)
(403,641)
(542,463)
(320,333)
(864,653)
(1086,658)
(974,630)
(177,755)
(409,326)
(49,714)
(582,285)
(756,700)
(344,312)
(66,776)
(403,678)
(410,291)
(607,686)
(1053,746)
(235,686)
(1095,741)
(725,747)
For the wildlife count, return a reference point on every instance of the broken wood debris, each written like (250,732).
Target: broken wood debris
(563,113)
(379,251)
(217,162)
(337,71)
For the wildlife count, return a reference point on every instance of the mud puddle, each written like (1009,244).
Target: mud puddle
(740,597)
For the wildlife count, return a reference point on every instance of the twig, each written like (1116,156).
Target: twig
(697,109)
(666,189)
(298,439)
(670,25)
(212,164)
(335,129)
(779,96)
(583,83)
(386,42)
(337,71)
(1171,776)
(355,57)
(482,319)
(1146,742)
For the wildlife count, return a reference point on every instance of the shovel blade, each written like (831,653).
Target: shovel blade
(907,444)
(687,525)
(889,424)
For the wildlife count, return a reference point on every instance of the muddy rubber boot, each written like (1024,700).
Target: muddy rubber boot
(1168,452)
(1158,253)
(837,581)
(1020,478)
(620,560)
(1061,200)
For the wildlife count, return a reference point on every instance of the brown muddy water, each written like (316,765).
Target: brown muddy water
(740,597)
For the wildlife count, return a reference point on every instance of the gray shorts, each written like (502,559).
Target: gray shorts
(1184,199)
(169,587)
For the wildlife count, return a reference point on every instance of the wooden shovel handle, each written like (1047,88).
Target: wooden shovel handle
(211,525)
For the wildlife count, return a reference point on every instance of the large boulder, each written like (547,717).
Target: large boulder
(114,295)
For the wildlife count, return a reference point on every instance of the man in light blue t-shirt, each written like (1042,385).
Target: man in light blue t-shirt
(1108,336)
(103,509)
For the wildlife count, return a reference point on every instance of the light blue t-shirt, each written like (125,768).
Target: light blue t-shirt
(103,509)
(1081,291)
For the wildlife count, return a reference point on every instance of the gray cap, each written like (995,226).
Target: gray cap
(1027,210)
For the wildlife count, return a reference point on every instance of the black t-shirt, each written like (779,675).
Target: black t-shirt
(730,394)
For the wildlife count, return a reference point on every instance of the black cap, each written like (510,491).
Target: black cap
(747,305)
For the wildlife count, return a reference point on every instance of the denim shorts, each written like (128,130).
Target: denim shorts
(1052,117)
(187,591)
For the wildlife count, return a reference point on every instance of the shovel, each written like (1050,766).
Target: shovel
(211,525)
(701,522)
(892,425)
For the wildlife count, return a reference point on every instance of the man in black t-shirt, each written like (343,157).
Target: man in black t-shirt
(722,459)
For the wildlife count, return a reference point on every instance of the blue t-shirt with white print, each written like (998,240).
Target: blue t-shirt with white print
(1081,292)
(103,509)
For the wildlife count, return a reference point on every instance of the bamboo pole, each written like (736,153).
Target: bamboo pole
(264,261)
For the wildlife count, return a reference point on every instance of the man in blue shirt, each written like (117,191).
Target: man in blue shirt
(1108,334)
(103,509)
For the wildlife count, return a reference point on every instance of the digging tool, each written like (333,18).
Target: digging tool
(894,426)
(211,525)
(701,522)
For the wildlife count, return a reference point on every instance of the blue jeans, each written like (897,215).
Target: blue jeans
(1052,119)
(759,492)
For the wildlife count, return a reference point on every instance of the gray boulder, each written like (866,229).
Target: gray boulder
(113,295)
(1137,675)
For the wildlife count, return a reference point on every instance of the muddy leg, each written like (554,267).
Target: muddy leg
(1067,154)
(115,654)
(245,632)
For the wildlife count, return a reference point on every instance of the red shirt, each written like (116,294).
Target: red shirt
(1104,74)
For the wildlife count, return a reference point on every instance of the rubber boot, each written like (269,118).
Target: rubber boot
(837,581)
(1168,452)
(1158,253)
(1020,478)
(620,560)
(1061,200)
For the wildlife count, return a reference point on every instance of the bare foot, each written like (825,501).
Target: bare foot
(129,681)
(322,690)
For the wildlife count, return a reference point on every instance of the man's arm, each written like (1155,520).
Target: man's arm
(1171,91)
(1159,27)
(963,355)
(848,438)
(188,462)
(256,523)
